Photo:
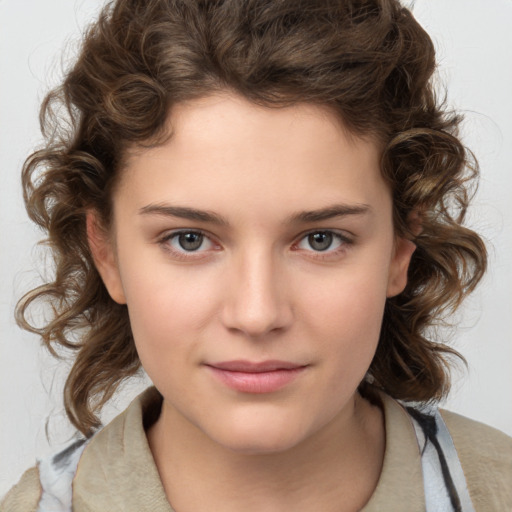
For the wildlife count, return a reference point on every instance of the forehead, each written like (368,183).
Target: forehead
(247,117)
(228,116)
(224,146)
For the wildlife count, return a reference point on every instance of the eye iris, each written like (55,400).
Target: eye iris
(320,241)
(190,241)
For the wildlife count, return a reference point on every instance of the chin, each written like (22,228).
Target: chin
(258,440)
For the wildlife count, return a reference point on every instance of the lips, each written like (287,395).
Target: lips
(253,367)
(256,377)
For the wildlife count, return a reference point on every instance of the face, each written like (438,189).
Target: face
(255,252)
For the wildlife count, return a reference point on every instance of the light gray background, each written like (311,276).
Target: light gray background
(474,43)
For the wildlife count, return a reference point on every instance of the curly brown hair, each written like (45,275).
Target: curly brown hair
(369,61)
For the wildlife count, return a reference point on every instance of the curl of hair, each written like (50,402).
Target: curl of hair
(368,61)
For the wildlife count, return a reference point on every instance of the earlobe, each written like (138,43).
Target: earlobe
(104,257)
(397,278)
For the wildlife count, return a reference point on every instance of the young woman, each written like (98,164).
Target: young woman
(261,203)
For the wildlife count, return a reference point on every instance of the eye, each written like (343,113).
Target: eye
(322,241)
(187,242)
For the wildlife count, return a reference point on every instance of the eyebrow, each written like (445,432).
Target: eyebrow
(184,212)
(330,212)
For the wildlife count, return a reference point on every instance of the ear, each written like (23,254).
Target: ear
(397,278)
(104,256)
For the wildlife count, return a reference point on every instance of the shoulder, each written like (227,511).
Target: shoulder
(104,453)
(480,444)
(25,495)
(486,457)
(48,485)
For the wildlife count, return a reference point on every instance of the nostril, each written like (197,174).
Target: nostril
(257,317)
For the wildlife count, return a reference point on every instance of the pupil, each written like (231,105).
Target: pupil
(190,241)
(320,241)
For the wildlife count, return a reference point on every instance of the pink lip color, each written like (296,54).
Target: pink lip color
(248,377)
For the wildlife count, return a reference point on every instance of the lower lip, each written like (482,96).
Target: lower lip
(262,382)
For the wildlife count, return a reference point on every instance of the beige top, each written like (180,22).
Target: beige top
(117,470)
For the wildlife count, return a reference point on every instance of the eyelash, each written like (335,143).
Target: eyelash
(343,240)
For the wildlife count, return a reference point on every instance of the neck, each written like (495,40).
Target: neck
(336,469)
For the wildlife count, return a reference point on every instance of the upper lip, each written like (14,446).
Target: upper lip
(255,367)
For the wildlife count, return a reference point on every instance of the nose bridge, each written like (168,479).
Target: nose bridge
(257,299)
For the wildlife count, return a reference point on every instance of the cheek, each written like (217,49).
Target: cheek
(169,309)
(345,319)
(351,301)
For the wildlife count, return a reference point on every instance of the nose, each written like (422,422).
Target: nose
(257,299)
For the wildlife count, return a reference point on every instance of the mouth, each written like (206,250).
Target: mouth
(256,377)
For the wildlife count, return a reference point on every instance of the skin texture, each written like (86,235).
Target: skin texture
(256,289)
